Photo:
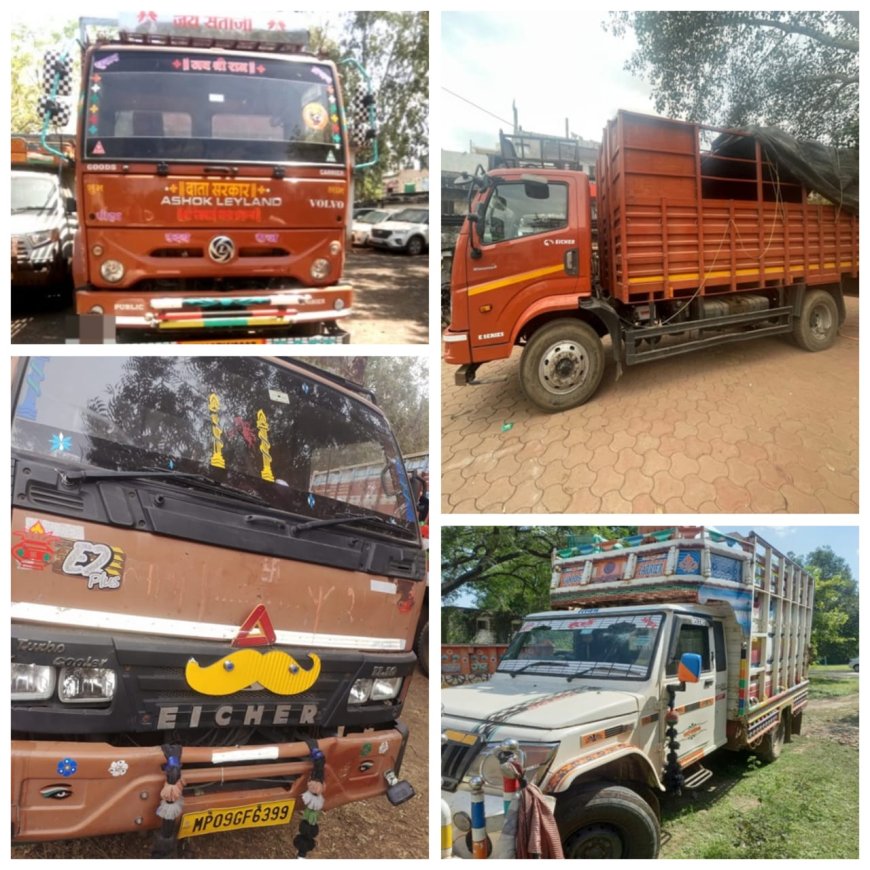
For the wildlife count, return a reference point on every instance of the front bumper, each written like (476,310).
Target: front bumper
(102,799)
(179,310)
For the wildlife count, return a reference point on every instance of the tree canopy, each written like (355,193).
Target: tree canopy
(835,612)
(796,70)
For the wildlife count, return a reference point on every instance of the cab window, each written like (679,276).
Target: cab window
(516,210)
(692,639)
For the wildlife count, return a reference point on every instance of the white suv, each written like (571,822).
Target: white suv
(406,230)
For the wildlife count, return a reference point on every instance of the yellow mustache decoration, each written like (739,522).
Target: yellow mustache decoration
(276,671)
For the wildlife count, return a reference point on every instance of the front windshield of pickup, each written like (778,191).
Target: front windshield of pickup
(148,104)
(34,193)
(297,443)
(595,646)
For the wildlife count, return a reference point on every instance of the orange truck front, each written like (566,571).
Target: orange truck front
(204,638)
(213,182)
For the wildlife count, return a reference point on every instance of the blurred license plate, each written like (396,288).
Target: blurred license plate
(260,815)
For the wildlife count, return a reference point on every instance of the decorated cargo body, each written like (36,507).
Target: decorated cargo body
(704,236)
(213,177)
(661,648)
(201,639)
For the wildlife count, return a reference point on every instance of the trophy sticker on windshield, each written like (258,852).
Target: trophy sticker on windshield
(315,116)
(217,457)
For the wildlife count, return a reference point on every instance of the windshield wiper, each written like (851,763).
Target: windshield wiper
(342,520)
(200,480)
(607,666)
(537,663)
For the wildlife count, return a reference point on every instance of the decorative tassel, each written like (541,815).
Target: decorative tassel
(305,840)
(171,803)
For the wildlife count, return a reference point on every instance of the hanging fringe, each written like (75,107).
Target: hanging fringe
(171,804)
(306,839)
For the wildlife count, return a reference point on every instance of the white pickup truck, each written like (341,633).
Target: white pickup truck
(665,646)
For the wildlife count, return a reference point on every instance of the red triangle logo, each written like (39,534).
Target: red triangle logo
(256,630)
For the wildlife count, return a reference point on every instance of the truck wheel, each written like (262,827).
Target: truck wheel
(415,246)
(817,326)
(562,365)
(610,822)
(770,747)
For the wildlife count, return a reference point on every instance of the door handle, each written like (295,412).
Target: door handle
(708,683)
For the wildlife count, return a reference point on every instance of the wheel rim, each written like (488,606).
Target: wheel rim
(596,841)
(564,367)
(821,322)
(415,246)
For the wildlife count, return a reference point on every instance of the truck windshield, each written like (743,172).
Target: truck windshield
(296,443)
(33,193)
(147,104)
(608,647)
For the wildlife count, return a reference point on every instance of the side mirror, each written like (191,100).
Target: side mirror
(689,669)
(69,204)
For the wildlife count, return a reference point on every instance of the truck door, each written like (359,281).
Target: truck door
(702,705)
(533,242)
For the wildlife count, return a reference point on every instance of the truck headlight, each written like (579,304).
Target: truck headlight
(536,761)
(319,269)
(32,682)
(43,237)
(112,271)
(380,689)
(86,685)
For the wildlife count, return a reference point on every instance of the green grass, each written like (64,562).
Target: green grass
(805,805)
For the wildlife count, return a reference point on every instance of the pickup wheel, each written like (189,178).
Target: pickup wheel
(770,747)
(415,246)
(816,328)
(609,822)
(421,647)
(562,365)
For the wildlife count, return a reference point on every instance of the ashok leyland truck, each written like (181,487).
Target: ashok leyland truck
(188,597)
(660,649)
(213,173)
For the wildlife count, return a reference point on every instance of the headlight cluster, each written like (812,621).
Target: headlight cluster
(42,237)
(535,758)
(74,685)
(368,690)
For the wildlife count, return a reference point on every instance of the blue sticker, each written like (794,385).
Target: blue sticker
(410,504)
(33,381)
(305,388)
(61,443)
(171,465)
(311,500)
(67,767)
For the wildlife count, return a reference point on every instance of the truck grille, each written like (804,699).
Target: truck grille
(456,758)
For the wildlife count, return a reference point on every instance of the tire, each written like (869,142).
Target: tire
(415,246)
(770,747)
(610,821)
(562,365)
(421,646)
(816,328)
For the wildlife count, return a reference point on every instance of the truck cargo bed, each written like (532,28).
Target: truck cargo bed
(685,209)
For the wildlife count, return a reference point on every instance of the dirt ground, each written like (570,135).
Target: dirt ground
(368,829)
(391,303)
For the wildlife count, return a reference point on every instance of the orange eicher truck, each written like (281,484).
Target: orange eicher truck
(213,178)
(704,236)
(205,637)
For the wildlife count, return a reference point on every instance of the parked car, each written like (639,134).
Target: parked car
(362,226)
(406,230)
(853,663)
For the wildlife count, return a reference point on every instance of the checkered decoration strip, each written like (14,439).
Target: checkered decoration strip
(57,63)
(57,112)
(358,116)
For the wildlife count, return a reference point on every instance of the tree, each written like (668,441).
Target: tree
(835,612)
(394,48)
(507,568)
(795,70)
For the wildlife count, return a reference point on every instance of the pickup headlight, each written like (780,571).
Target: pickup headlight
(32,682)
(43,237)
(367,690)
(86,685)
(536,761)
